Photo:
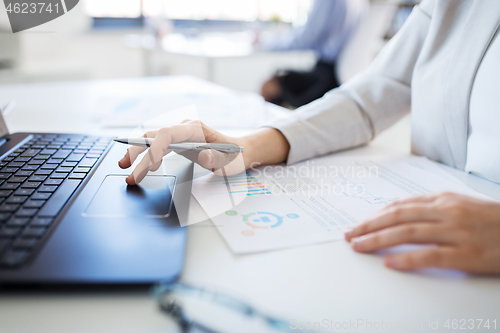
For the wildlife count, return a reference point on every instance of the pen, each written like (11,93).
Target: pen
(228,148)
(8,107)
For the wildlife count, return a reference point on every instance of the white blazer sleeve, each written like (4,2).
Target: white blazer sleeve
(356,112)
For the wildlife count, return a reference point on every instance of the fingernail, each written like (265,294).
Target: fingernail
(392,262)
(211,159)
(357,243)
(348,234)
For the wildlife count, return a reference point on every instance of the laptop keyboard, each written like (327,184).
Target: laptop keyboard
(36,181)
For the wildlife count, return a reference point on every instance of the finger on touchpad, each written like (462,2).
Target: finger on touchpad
(151,198)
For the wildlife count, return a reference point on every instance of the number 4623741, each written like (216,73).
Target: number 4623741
(32,8)
(464,324)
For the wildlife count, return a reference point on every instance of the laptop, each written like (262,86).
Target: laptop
(68,217)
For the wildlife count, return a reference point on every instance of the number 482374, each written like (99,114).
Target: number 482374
(32,8)
(470,324)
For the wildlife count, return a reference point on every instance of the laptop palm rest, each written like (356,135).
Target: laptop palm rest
(152,198)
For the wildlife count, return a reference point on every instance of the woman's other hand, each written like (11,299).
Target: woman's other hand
(465,233)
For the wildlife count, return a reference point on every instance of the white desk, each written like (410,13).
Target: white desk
(325,281)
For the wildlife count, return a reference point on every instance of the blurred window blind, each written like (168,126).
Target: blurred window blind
(292,11)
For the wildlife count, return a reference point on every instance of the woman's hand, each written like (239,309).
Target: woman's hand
(464,230)
(264,146)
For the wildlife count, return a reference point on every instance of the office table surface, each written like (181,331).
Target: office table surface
(313,283)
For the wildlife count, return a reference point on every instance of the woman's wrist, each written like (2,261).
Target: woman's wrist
(265,146)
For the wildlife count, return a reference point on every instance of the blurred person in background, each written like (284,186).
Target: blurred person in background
(329,26)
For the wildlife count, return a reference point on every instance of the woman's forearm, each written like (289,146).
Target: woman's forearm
(265,146)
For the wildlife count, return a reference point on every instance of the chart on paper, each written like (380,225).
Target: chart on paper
(278,206)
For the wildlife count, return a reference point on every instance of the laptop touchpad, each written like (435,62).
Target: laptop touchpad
(151,198)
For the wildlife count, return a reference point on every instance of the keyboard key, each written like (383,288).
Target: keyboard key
(49,166)
(37,178)
(40,196)
(80,151)
(5,193)
(59,175)
(9,232)
(16,199)
(14,258)
(55,161)
(57,201)
(43,172)
(54,146)
(41,157)
(24,191)
(38,146)
(63,153)
(25,243)
(9,186)
(48,151)
(26,212)
(53,182)
(48,189)
(95,150)
(34,232)
(8,158)
(36,162)
(15,164)
(81,170)
(93,155)
(5,216)
(22,159)
(69,164)
(30,167)
(34,204)
(75,158)
(8,170)
(9,207)
(87,162)
(16,179)
(69,146)
(23,173)
(4,245)
(18,221)
(30,185)
(77,175)
(64,169)
(5,175)
(41,222)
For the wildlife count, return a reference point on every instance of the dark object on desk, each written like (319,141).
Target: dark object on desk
(67,216)
(300,88)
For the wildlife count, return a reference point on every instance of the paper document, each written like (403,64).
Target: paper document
(316,201)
